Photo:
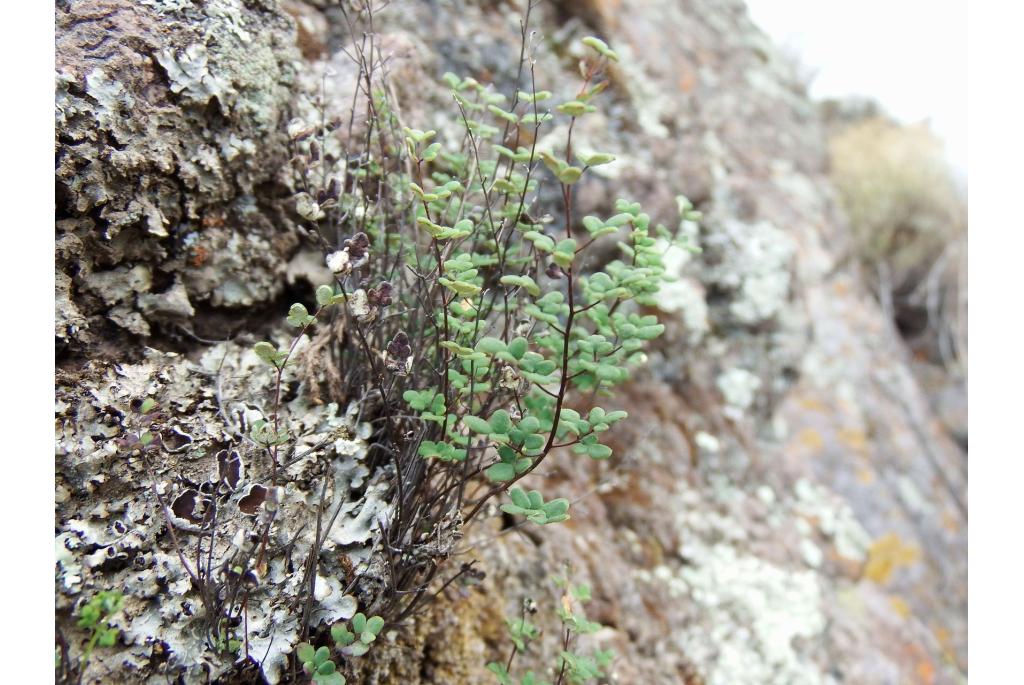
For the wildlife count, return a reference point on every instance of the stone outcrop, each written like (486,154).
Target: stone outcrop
(783,507)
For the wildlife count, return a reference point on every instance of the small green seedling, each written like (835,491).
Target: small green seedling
(95,616)
(582,669)
(223,641)
(264,435)
(521,632)
(504,678)
(570,665)
(317,663)
(356,642)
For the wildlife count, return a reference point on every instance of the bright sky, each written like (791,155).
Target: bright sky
(910,55)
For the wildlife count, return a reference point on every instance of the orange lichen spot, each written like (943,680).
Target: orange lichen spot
(841,287)
(951,521)
(925,672)
(811,438)
(687,80)
(198,255)
(214,220)
(866,476)
(853,438)
(945,639)
(813,404)
(609,7)
(887,554)
(900,606)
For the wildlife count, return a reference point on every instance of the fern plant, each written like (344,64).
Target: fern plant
(472,315)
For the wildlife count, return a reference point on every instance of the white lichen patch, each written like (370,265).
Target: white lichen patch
(739,389)
(752,617)
(684,295)
(754,266)
(208,480)
(189,74)
(707,442)
(834,518)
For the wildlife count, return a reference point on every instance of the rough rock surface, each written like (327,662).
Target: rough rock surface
(169,146)
(783,506)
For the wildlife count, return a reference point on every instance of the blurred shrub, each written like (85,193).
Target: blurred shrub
(908,216)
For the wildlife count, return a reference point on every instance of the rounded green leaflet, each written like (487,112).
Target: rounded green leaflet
(575,108)
(501,472)
(298,316)
(556,508)
(477,425)
(599,159)
(541,242)
(341,635)
(375,625)
(359,622)
(601,47)
(499,112)
(460,287)
(429,226)
(430,153)
(570,175)
(489,345)
(651,332)
(534,442)
(519,497)
(524,282)
(592,223)
(566,245)
(518,347)
(324,295)
(564,253)
(500,421)
(264,350)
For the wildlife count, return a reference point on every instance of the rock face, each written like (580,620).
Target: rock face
(783,507)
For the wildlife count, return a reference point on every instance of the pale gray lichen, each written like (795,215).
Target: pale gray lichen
(753,265)
(739,389)
(684,295)
(834,517)
(751,614)
(120,542)
(189,74)
(707,442)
